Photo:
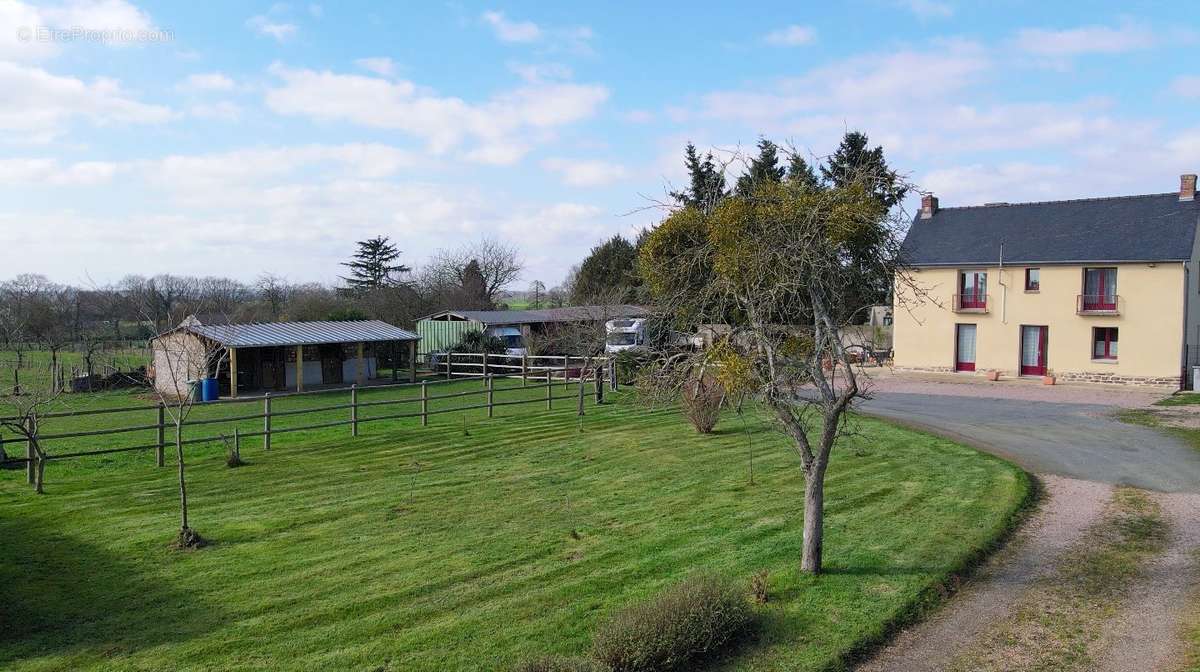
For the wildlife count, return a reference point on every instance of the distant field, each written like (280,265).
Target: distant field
(35,364)
(451,548)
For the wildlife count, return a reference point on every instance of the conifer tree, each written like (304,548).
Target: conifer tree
(372,266)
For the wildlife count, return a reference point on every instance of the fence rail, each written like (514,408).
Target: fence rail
(592,373)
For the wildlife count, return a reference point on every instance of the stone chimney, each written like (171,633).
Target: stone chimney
(929,203)
(1187,187)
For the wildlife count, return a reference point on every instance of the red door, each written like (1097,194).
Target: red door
(1033,351)
(964,347)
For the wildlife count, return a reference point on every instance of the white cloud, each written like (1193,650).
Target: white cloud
(498,126)
(195,177)
(99,15)
(792,36)
(512,31)
(380,65)
(110,19)
(1093,39)
(51,172)
(536,73)
(875,81)
(222,110)
(268,27)
(39,105)
(928,9)
(1187,86)
(205,81)
(578,173)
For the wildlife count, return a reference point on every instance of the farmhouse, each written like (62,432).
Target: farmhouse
(1095,290)
(515,327)
(280,355)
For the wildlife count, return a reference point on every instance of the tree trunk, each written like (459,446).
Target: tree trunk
(182,482)
(814,519)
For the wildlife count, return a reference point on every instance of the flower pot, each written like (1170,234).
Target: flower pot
(993,375)
(1047,380)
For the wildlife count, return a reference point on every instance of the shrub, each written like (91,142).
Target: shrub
(559,664)
(686,624)
(475,341)
(702,400)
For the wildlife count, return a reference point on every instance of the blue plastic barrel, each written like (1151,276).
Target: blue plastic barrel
(208,389)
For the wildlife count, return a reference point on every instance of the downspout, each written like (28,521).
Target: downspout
(1003,294)
(1187,284)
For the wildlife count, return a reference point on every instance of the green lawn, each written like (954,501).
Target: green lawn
(1181,399)
(35,364)
(414,548)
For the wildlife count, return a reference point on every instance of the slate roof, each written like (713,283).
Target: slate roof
(267,334)
(1154,227)
(568,314)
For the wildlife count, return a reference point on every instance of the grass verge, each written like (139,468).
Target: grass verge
(411,548)
(1055,625)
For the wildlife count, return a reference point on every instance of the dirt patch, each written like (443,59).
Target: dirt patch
(1057,623)
(1069,508)
(189,540)
(966,385)
(1146,635)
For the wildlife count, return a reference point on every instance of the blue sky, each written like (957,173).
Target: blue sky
(234,139)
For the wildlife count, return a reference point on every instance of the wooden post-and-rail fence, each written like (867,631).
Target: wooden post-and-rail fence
(592,372)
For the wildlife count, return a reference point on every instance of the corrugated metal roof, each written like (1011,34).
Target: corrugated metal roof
(568,314)
(266,334)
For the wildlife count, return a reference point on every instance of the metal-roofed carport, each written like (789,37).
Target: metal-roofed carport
(287,355)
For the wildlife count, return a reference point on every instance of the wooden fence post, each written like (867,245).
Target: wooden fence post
(267,421)
(162,434)
(449,364)
(424,405)
(566,368)
(491,395)
(582,379)
(30,453)
(485,364)
(524,370)
(354,410)
(614,385)
(549,391)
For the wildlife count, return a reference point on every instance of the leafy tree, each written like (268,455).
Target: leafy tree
(608,274)
(372,266)
(707,182)
(782,265)
(763,168)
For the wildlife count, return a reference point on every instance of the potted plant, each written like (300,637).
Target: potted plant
(1048,378)
(993,375)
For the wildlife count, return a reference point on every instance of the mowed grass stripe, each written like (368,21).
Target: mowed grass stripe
(330,555)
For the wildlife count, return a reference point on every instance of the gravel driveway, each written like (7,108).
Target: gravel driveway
(1045,429)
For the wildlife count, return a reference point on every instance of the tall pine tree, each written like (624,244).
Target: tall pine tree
(800,172)
(707,182)
(762,169)
(854,161)
(372,265)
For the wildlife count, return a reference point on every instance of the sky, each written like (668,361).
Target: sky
(235,139)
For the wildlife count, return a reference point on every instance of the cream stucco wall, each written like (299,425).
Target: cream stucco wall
(1151,321)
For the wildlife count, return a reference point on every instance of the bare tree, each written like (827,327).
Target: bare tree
(25,408)
(783,264)
(274,291)
(537,288)
(498,263)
